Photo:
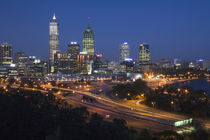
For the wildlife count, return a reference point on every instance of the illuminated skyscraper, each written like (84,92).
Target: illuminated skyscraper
(124,51)
(144,54)
(74,50)
(5,54)
(63,63)
(83,63)
(53,40)
(88,41)
(21,60)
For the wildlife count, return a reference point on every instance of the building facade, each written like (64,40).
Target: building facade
(74,50)
(89,41)
(144,54)
(36,67)
(126,66)
(5,54)
(53,41)
(124,51)
(83,63)
(21,60)
(63,63)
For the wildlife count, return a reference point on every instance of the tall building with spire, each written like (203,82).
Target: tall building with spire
(53,41)
(88,41)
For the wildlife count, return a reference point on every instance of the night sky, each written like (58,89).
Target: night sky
(173,28)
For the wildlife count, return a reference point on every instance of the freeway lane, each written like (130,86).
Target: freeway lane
(132,120)
(144,114)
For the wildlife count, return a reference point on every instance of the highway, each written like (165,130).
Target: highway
(139,117)
(108,104)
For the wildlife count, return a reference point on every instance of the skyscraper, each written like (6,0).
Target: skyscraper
(74,50)
(5,54)
(63,63)
(124,51)
(144,54)
(88,41)
(83,63)
(21,60)
(53,40)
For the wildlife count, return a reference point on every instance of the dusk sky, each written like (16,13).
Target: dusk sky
(172,28)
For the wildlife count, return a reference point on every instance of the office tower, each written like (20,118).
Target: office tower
(83,63)
(5,54)
(144,54)
(21,60)
(127,66)
(53,41)
(74,50)
(199,64)
(113,66)
(177,63)
(88,41)
(191,65)
(165,63)
(36,67)
(124,51)
(62,63)
(206,64)
(97,63)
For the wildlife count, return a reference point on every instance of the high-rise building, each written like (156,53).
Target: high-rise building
(144,54)
(36,67)
(191,65)
(88,41)
(63,63)
(5,54)
(165,63)
(113,66)
(124,51)
(21,60)
(97,61)
(177,63)
(199,64)
(74,50)
(126,66)
(83,63)
(53,41)
(206,64)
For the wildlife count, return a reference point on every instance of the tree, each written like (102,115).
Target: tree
(11,81)
(53,83)
(145,135)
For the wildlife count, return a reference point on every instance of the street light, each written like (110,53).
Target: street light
(186,91)
(153,104)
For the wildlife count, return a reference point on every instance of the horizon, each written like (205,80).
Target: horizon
(183,27)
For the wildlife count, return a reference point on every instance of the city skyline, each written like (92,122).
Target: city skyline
(109,35)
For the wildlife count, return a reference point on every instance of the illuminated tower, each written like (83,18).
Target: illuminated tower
(144,54)
(124,51)
(5,54)
(88,41)
(74,50)
(53,40)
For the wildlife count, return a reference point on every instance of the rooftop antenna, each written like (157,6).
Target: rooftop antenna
(54,18)
(88,21)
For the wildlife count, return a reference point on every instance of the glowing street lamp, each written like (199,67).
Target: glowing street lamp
(153,104)
(186,91)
